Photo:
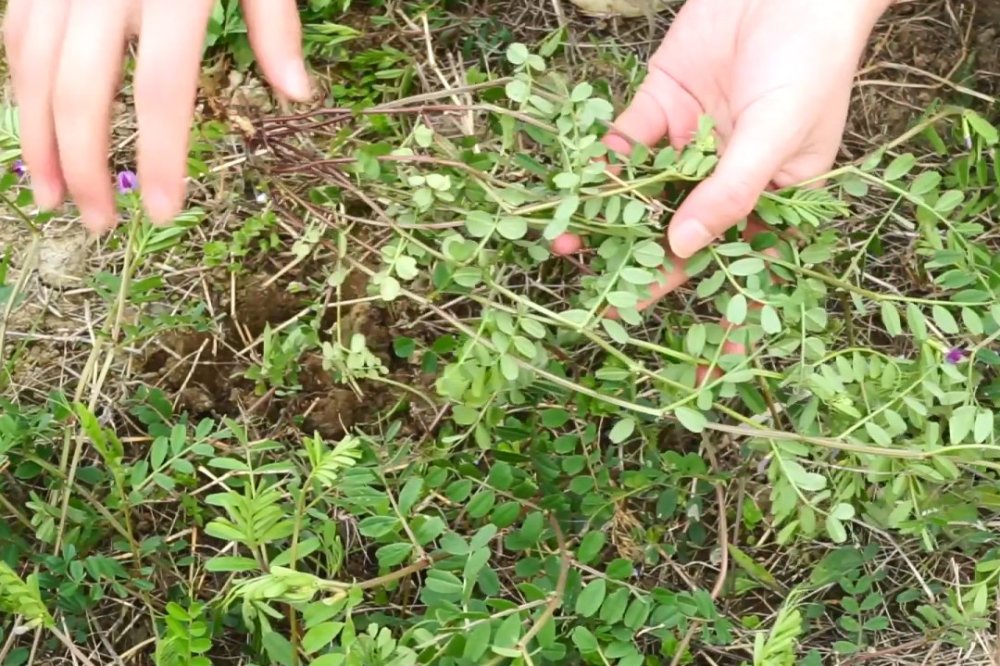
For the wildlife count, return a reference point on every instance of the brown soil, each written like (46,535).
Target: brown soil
(207,373)
(922,53)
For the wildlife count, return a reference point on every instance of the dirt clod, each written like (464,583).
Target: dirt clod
(62,257)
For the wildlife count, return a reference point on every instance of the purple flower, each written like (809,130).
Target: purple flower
(127,182)
(954,355)
(19,168)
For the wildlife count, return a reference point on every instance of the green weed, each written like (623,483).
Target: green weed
(574,494)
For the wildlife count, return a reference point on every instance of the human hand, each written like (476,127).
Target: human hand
(66,61)
(775,77)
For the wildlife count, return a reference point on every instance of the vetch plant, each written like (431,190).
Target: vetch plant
(791,456)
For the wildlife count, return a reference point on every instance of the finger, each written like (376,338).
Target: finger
(166,82)
(34,58)
(660,108)
(672,277)
(275,34)
(566,244)
(89,72)
(752,157)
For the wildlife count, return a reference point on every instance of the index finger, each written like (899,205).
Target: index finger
(661,108)
(275,33)
(166,82)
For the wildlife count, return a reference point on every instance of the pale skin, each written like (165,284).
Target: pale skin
(775,75)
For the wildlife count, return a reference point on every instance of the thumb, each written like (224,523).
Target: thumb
(753,155)
(275,33)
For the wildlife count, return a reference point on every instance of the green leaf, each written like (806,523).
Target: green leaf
(278,648)
(479,224)
(649,254)
(747,266)
(855,186)
(836,530)
(533,327)
(517,53)
(403,347)
(222,529)
(802,479)
(949,201)
(615,330)
(524,346)
(590,547)
(613,608)
(566,180)
(612,209)
(330,659)
(390,288)
(843,511)
(378,526)
(637,276)
(750,565)
(584,640)
(581,92)
(737,249)
(633,212)
(961,423)
(231,564)
(694,341)
(507,635)
(972,321)
(591,597)
(878,434)
(320,636)
(915,320)
(518,91)
(567,207)
(711,284)
(481,503)
(900,166)
(890,318)
(158,453)
(637,612)
(513,228)
(622,430)
(406,267)
(984,426)
(623,299)
(925,182)
(817,253)
(393,554)
(509,367)
(944,319)
(769,320)
(691,419)
(736,311)
(982,127)
(443,582)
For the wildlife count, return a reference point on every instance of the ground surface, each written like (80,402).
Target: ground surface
(201,461)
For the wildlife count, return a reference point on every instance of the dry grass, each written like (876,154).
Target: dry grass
(927,51)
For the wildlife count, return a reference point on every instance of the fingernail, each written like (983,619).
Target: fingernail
(688,237)
(160,206)
(96,223)
(297,81)
(617,143)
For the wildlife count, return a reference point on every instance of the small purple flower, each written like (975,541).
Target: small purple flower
(955,355)
(19,168)
(127,182)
